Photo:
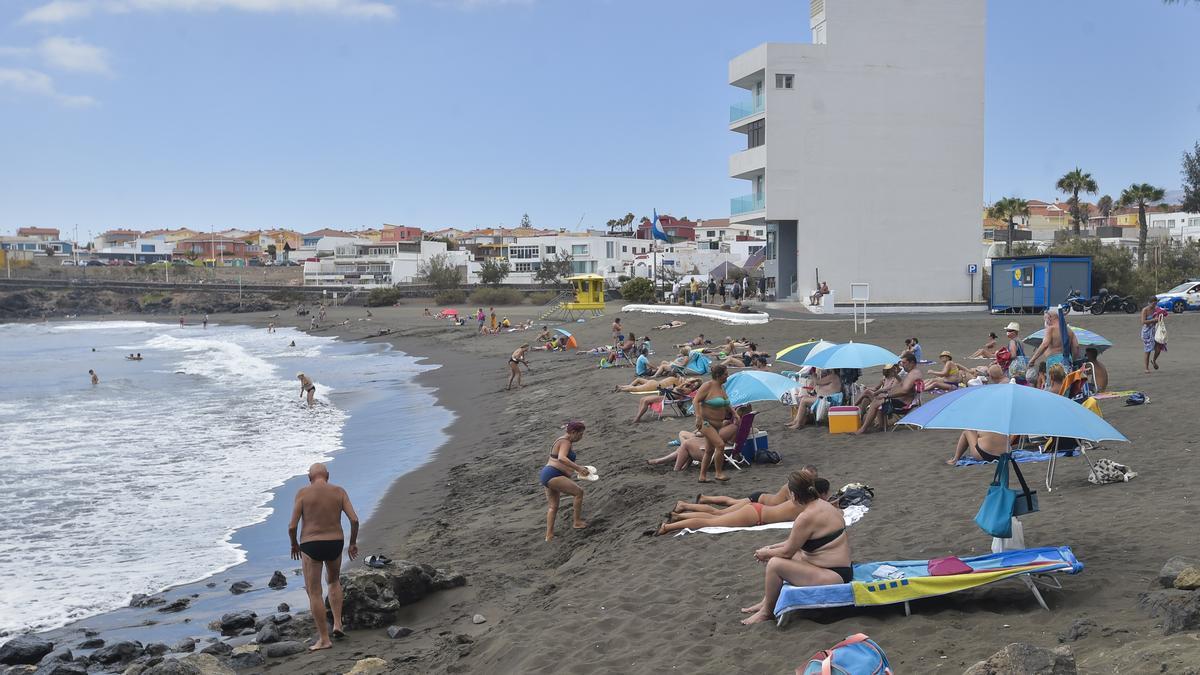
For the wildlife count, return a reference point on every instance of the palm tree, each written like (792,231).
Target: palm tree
(1008,209)
(1105,205)
(1073,183)
(1141,194)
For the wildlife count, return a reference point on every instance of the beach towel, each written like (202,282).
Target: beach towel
(1105,395)
(1021,456)
(851,514)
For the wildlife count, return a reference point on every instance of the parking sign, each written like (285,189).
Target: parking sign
(972,269)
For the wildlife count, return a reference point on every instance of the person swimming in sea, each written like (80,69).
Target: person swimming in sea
(555,478)
(307,387)
(95,377)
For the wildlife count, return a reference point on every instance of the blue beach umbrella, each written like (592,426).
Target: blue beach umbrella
(1012,409)
(750,386)
(850,355)
(565,333)
(796,354)
(1085,337)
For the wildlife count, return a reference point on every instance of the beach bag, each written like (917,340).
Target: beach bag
(995,513)
(1108,471)
(1137,398)
(1026,501)
(1160,332)
(856,655)
(822,412)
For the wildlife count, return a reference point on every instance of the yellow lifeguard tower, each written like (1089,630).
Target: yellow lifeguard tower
(589,298)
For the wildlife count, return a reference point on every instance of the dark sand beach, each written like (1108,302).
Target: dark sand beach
(609,599)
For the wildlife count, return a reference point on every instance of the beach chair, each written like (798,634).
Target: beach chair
(918,391)
(733,453)
(673,400)
(911,580)
(1077,386)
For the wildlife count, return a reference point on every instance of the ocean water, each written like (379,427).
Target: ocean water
(153,477)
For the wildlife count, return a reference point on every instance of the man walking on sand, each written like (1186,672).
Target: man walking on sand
(320,506)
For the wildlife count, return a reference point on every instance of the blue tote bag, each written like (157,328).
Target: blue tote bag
(995,514)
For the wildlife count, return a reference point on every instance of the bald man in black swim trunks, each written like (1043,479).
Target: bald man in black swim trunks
(321,505)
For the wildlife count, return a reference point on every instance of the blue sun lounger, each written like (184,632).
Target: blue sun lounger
(867,589)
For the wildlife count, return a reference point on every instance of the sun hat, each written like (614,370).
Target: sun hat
(946,354)
(1013,325)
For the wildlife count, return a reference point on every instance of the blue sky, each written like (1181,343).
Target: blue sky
(350,113)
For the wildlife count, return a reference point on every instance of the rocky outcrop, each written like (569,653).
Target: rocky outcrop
(173,667)
(1175,609)
(373,596)
(278,580)
(207,663)
(369,666)
(24,650)
(279,649)
(1027,659)
(1170,571)
(233,622)
(117,652)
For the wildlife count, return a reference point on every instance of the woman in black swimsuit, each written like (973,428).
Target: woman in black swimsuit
(984,446)
(307,387)
(514,366)
(816,553)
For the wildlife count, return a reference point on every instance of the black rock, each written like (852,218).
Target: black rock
(1027,659)
(283,607)
(280,618)
(143,600)
(246,660)
(62,654)
(24,650)
(118,652)
(280,649)
(232,622)
(157,649)
(62,668)
(1078,630)
(277,580)
(92,643)
(1178,610)
(268,634)
(186,645)
(239,587)
(172,667)
(211,584)
(217,649)
(397,632)
(177,605)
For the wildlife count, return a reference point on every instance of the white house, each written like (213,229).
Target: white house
(590,254)
(850,139)
(363,263)
(1179,225)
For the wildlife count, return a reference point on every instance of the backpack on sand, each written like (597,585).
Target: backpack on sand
(856,655)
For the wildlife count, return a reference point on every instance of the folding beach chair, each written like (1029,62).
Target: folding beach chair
(1078,386)
(675,400)
(733,453)
(918,390)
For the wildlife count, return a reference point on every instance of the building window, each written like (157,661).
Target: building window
(549,250)
(526,267)
(624,249)
(756,134)
(610,249)
(1194,222)
(579,249)
(523,252)
(784,80)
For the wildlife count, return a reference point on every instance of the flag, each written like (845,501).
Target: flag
(656,229)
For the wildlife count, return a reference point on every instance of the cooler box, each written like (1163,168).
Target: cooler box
(843,419)
(756,442)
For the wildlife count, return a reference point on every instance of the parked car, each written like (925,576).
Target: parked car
(95,263)
(1183,297)
(68,263)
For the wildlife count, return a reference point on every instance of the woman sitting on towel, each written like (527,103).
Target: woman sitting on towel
(555,478)
(951,376)
(691,445)
(984,446)
(816,553)
(988,350)
(689,386)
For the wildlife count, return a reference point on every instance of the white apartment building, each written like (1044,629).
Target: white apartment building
(1179,225)
(363,263)
(590,254)
(850,139)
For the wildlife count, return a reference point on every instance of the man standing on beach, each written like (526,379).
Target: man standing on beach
(320,506)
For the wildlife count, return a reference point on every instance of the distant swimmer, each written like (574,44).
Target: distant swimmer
(306,387)
(181,322)
(320,506)
(206,321)
(95,378)
(293,344)
(271,327)
(134,357)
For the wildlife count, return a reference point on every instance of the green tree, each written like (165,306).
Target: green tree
(1073,183)
(1009,209)
(1191,180)
(638,289)
(438,271)
(621,224)
(493,271)
(271,250)
(525,221)
(1141,195)
(552,270)
(1105,206)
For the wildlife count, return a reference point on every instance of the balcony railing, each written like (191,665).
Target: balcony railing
(746,204)
(745,109)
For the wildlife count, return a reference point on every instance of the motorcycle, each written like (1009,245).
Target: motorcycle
(1077,303)
(1105,302)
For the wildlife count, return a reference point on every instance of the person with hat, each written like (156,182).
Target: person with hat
(951,376)
(1010,352)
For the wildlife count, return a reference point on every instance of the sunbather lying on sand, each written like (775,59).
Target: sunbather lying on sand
(690,385)
(816,552)
(691,444)
(982,445)
(673,324)
(650,385)
(752,514)
(717,504)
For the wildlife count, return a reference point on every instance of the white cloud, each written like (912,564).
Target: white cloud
(63,53)
(75,55)
(58,11)
(26,81)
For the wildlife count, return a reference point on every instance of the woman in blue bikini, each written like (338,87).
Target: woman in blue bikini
(555,478)
(712,406)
